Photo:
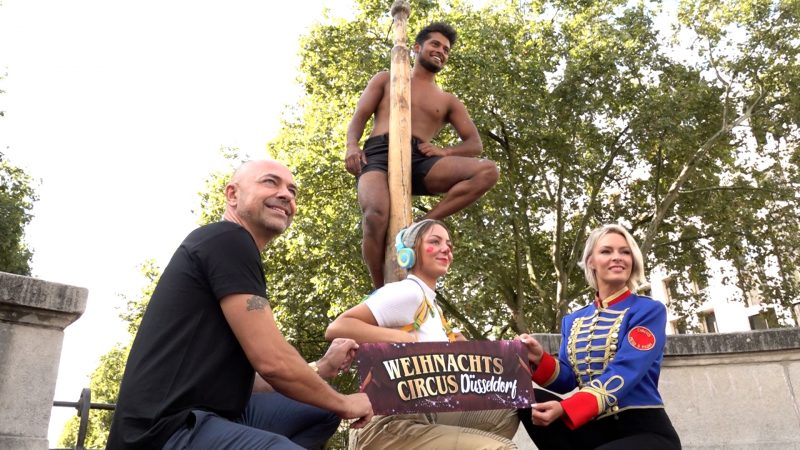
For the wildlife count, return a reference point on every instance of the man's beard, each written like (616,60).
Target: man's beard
(429,66)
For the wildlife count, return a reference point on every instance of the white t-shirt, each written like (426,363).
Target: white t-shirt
(395,304)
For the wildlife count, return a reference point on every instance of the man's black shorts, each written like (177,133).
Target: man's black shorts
(376,150)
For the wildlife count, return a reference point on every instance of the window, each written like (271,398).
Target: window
(679,326)
(670,290)
(771,318)
(752,297)
(764,320)
(699,283)
(709,321)
(757,322)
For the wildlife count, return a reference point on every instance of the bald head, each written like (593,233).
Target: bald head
(247,168)
(261,198)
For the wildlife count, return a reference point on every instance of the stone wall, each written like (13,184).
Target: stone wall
(33,315)
(728,391)
(722,391)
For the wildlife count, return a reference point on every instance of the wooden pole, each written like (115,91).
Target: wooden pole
(399,140)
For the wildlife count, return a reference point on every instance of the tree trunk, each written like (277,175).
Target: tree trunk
(686,172)
(399,140)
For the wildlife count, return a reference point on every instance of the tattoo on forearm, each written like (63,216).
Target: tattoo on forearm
(256,302)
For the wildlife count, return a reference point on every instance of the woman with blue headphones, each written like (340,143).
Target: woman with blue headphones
(406,311)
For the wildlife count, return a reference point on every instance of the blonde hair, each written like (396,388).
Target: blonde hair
(637,269)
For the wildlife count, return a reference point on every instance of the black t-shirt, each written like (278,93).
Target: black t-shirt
(185,356)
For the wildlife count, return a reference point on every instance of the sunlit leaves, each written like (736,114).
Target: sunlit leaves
(17,196)
(590,119)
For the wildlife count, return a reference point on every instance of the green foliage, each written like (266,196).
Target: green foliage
(136,307)
(749,217)
(17,196)
(104,385)
(593,117)
(212,197)
(106,378)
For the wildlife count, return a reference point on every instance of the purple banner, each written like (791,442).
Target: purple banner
(445,376)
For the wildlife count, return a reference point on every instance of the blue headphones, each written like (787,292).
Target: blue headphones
(405,255)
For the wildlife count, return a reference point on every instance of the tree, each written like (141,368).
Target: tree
(17,196)
(749,49)
(592,118)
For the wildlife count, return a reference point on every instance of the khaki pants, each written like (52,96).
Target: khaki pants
(470,430)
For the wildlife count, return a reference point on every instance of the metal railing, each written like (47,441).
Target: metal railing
(83,405)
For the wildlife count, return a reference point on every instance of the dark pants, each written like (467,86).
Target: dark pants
(631,429)
(270,421)
(376,149)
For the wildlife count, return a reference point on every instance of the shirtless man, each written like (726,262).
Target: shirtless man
(453,171)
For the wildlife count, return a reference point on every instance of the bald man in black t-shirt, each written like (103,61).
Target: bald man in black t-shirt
(208,337)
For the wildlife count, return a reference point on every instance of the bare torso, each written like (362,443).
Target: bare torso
(430,107)
(456,171)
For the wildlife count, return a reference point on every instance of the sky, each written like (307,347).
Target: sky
(119,110)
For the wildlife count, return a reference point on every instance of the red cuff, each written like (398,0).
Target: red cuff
(579,409)
(546,371)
